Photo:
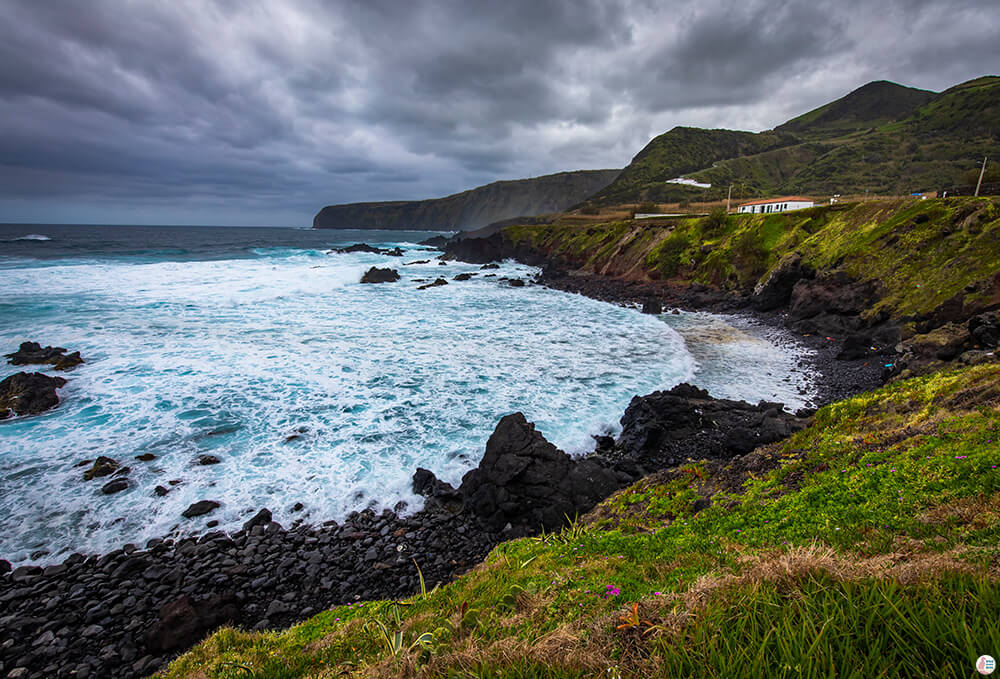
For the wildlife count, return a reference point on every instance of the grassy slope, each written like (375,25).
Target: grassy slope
(951,244)
(865,546)
(882,137)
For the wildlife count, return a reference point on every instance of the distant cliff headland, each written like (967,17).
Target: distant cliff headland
(471,209)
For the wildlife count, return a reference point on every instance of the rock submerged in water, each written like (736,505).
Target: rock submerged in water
(28,394)
(115,486)
(103,466)
(437,282)
(377,275)
(34,353)
(365,247)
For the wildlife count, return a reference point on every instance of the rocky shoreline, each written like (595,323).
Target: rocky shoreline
(127,613)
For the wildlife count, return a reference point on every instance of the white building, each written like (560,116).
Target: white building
(783,204)
(688,182)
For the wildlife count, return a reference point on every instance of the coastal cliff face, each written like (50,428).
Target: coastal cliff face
(471,209)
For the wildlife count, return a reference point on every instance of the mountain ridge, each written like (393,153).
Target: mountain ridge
(473,208)
(881,137)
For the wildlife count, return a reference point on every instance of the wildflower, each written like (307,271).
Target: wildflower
(657,593)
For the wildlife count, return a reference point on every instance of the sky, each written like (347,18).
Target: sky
(253,112)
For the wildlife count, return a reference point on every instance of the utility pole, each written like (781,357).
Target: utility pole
(728,198)
(981,173)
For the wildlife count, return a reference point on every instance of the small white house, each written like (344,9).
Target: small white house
(766,205)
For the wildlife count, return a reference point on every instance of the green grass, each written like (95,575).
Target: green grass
(862,546)
(952,246)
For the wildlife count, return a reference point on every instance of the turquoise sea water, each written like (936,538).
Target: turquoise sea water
(261,348)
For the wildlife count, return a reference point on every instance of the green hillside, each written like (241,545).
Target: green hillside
(882,138)
(681,151)
(871,105)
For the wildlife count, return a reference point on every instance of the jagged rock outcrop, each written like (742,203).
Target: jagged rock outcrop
(28,394)
(666,428)
(471,209)
(377,275)
(775,291)
(34,353)
(525,481)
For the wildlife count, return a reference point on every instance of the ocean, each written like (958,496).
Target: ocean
(260,347)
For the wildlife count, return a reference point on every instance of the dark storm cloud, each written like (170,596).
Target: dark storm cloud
(252,111)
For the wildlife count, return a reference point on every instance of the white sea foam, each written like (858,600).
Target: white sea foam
(32,236)
(309,386)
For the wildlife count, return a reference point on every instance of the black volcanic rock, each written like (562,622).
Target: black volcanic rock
(200,508)
(33,353)
(358,247)
(103,466)
(527,482)
(436,283)
(28,394)
(184,621)
(665,428)
(435,241)
(115,486)
(652,305)
(776,290)
(376,275)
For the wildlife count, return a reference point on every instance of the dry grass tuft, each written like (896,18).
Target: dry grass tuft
(978,512)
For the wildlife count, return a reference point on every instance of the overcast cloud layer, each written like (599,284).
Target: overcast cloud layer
(261,112)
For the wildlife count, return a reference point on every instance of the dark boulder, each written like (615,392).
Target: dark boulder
(28,394)
(357,247)
(857,345)
(652,305)
(666,428)
(463,277)
(115,486)
(437,282)
(103,466)
(515,283)
(261,518)
(985,330)
(490,265)
(441,496)
(200,508)
(527,482)
(394,252)
(34,353)
(206,460)
(377,275)
(185,621)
